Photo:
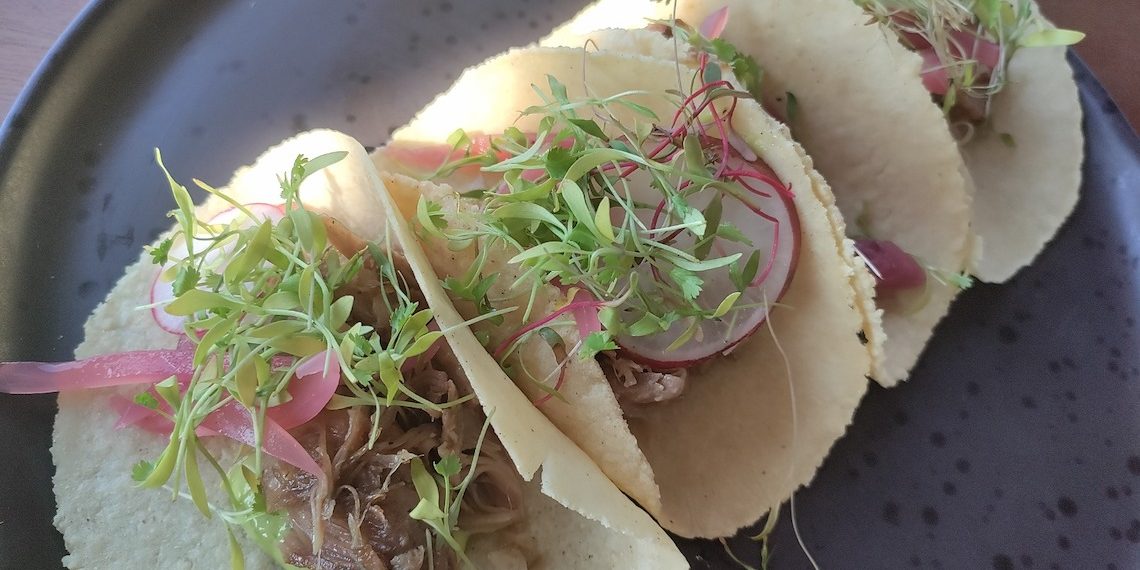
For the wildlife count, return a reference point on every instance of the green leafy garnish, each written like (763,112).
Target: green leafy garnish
(962,32)
(253,290)
(440,496)
(596,342)
(566,207)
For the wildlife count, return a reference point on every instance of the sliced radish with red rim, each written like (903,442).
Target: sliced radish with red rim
(162,289)
(766,215)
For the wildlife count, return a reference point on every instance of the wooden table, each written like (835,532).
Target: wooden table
(29,27)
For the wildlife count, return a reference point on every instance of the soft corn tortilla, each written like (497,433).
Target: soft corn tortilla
(576,517)
(863,117)
(1025,192)
(751,427)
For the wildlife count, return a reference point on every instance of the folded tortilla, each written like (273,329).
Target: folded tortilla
(1026,190)
(862,115)
(576,518)
(751,427)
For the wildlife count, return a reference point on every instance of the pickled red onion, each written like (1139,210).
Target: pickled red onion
(714,24)
(934,75)
(121,369)
(586,314)
(233,421)
(893,268)
(311,389)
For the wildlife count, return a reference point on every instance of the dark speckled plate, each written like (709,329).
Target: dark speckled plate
(1015,445)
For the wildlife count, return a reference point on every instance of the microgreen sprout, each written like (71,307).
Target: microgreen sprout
(259,297)
(610,200)
(972,41)
(441,496)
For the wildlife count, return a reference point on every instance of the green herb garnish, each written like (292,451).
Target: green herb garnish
(253,292)
(568,205)
(965,34)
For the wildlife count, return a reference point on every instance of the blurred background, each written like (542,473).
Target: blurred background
(28,28)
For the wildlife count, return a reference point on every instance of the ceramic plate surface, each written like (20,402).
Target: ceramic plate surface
(1016,444)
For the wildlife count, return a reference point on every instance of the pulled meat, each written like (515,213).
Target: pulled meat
(360,518)
(637,385)
(367,291)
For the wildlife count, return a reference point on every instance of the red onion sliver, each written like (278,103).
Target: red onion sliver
(714,24)
(982,50)
(121,369)
(893,268)
(132,414)
(233,421)
(311,389)
(934,75)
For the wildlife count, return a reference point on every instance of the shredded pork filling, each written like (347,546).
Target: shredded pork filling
(637,385)
(360,519)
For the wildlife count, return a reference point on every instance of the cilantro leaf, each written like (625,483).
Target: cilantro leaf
(688,281)
(160,253)
(589,127)
(749,73)
(596,342)
(558,162)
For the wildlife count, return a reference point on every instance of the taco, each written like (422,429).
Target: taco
(685,298)
(296,385)
(843,85)
(998,71)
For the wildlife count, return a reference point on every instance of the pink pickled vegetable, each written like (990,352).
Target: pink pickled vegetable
(121,369)
(893,268)
(310,391)
(714,24)
(132,414)
(934,75)
(233,421)
(968,45)
(963,46)
(570,308)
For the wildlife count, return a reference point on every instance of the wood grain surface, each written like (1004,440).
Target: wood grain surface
(29,27)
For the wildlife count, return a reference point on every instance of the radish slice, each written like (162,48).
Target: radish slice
(767,216)
(162,289)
